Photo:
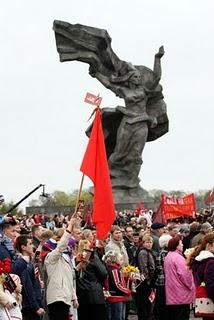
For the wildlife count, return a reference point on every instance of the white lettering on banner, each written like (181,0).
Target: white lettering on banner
(92,99)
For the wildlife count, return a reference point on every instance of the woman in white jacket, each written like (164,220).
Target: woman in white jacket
(60,292)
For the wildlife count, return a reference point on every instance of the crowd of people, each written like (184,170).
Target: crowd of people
(55,267)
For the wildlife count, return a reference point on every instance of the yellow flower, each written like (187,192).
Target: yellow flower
(129,269)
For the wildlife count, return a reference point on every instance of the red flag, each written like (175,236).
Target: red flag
(210,197)
(139,207)
(159,216)
(95,166)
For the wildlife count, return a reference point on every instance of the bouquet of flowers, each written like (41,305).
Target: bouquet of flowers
(5,267)
(5,278)
(188,252)
(133,274)
(130,271)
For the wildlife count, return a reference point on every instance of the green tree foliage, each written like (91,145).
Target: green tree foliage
(61,198)
(6,206)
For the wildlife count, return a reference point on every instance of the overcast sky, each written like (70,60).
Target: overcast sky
(42,110)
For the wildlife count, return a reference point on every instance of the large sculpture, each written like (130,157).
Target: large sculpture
(128,128)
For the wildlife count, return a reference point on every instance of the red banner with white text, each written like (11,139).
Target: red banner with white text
(173,207)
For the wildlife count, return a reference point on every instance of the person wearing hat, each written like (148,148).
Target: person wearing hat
(184,232)
(157,229)
(5,218)
(60,291)
(206,228)
(160,310)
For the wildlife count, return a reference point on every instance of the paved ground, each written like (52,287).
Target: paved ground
(134,317)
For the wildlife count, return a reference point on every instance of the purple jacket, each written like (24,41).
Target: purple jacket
(179,283)
(203,271)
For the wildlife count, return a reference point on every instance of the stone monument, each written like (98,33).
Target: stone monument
(126,128)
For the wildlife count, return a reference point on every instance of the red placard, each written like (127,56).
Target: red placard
(173,207)
(92,99)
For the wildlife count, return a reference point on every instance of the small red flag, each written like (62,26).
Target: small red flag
(210,197)
(139,207)
(92,99)
(95,166)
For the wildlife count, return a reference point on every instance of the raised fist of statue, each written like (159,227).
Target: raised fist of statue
(160,52)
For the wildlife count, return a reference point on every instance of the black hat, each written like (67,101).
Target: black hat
(157,225)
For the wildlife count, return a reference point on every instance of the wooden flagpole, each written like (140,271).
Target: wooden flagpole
(78,196)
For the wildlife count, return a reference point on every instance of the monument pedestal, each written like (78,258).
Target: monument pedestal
(128,198)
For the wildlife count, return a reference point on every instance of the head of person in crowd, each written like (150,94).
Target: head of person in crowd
(194,227)
(133,221)
(207,244)
(46,235)
(116,233)
(147,242)
(172,230)
(18,228)
(24,245)
(1,200)
(142,221)
(128,232)
(9,229)
(158,228)
(83,244)
(136,238)
(52,237)
(206,228)
(184,230)
(93,231)
(175,244)
(77,233)
(113,257)
(164,240)
(36,231)
(58,233)
(141,231)
(87,235)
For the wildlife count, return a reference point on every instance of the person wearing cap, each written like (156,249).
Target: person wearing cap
(60,291)
(184,232)
(160,310)
(206,228)
(157,229)
(5,218)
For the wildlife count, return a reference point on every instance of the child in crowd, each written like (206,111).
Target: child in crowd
(10,303)
(116,286)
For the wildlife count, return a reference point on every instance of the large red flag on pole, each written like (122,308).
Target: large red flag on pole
(95,166)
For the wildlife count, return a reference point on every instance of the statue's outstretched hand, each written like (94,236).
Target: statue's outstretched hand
(160,52)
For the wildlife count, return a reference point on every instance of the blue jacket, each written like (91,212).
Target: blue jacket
(31,290)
